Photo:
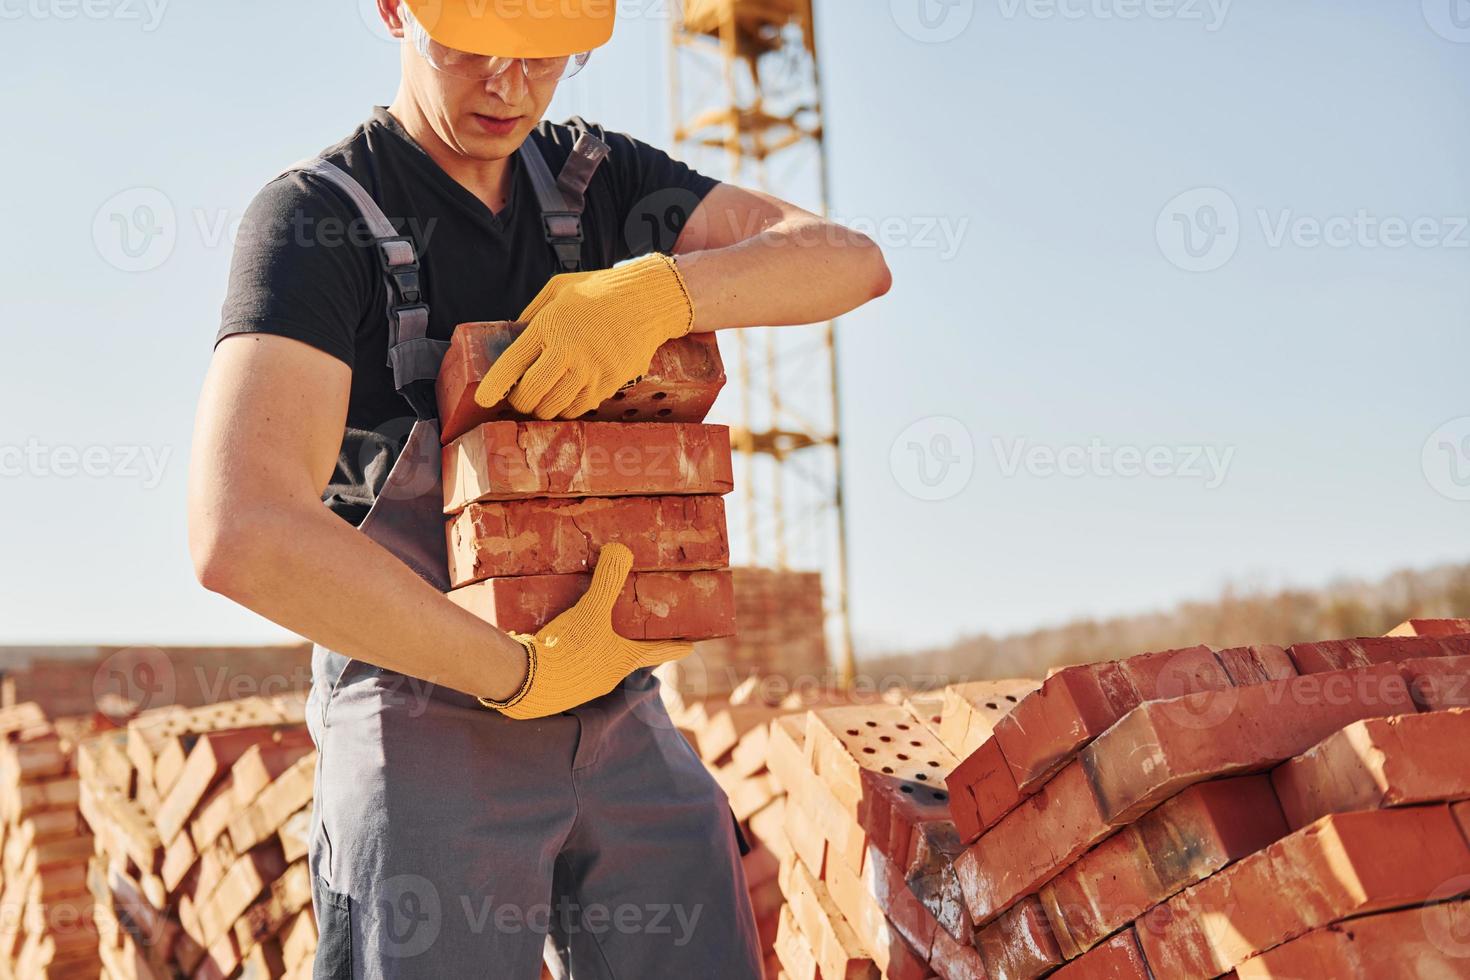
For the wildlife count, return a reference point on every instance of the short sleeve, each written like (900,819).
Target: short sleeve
(299,269)
(655,195)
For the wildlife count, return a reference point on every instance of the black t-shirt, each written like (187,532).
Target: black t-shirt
(304,266)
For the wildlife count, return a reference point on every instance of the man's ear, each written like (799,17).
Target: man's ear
(388,10)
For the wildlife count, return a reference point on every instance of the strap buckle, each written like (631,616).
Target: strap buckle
(562,226)
(399,262)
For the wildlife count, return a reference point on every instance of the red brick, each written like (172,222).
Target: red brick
(680,385)
(954,961)
(844,742)
(1439,683)
(519,460)
(1174,673)
(1032,843)
(1163,746)
(1315,658)
(890,950)
(1432,627)
(561,537)
(1256,665)
(1117,959)
(931,877)
(652,606)
(1462,817)
(1343,865)
(1076,704)
(993,789)
(885,882)
(1181,842)
(1376,763)
(970,710)
(1411,944)
(1073,706)
(1019,945)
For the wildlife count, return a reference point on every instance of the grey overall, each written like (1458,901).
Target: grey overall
(450,841)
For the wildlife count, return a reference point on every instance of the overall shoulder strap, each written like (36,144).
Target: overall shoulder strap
(564,198)
(412,354)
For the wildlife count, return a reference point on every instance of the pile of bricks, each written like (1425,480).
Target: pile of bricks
(782,634)
(1254,812)
(867,870)
(46,929)
(200,818)
(1196,812)
(530,504)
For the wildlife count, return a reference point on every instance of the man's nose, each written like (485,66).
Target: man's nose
(509,85)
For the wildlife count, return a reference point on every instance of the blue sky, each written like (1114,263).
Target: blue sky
(1181,292)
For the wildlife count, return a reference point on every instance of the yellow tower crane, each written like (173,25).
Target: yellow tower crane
(747,91)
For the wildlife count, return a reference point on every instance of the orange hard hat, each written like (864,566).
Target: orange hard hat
(517,28)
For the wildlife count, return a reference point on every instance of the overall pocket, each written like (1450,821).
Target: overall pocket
(334,927)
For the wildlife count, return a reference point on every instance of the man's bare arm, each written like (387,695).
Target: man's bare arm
(266,439)
(750,259)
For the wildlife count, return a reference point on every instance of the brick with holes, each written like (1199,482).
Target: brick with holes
(562,537)
(680,385)
(885,739)
(1378,762)
(1343,865)
(970,711)
(521,460)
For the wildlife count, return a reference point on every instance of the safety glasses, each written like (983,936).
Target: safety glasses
(481,67)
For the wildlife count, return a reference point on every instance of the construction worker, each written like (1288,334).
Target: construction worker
(482,798)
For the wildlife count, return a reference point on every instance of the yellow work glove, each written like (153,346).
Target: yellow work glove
(577,657)
(587,335)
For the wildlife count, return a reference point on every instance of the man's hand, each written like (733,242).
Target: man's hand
(577,657)
(587,335)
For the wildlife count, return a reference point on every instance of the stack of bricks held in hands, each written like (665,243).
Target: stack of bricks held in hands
(530,504)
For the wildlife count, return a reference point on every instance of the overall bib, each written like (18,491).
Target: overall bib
(450,841)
